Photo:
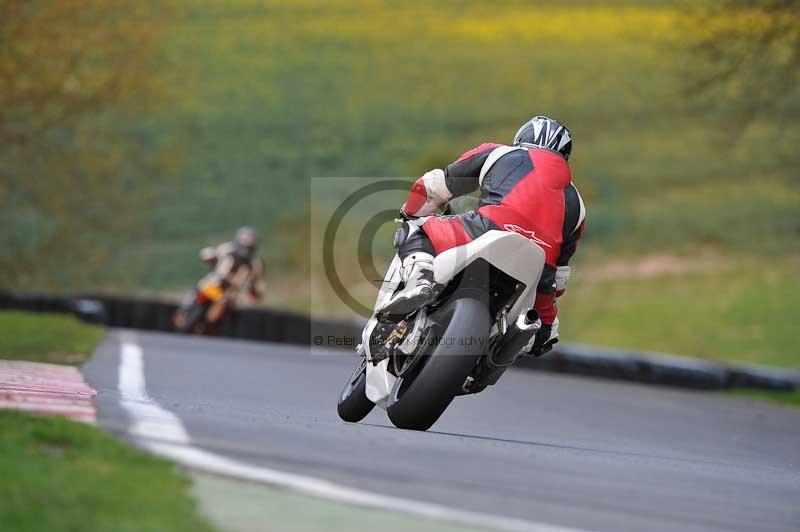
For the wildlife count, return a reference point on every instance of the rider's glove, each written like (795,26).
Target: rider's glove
(544,340)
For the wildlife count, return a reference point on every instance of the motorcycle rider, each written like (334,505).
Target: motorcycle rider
(235,263)
(525,187)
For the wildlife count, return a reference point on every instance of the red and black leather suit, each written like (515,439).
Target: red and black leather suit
(527,190)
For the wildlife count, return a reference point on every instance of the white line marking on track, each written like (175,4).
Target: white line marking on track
(161,432)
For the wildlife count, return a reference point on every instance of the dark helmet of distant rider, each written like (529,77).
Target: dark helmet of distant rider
(246,242)
(544,132)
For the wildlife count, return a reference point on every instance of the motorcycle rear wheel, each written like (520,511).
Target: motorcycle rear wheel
(417,404)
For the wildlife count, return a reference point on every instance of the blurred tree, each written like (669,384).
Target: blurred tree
(77,81)
(746,58)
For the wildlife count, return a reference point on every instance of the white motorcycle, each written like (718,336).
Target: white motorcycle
(413,366)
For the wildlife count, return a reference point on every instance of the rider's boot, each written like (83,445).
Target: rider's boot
(417,274)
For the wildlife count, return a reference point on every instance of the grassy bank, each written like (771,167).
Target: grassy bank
(61,475)
(56,338)
(272,94)
(376,89)
(721,308)
(275,93)
(282,92)
(733,311)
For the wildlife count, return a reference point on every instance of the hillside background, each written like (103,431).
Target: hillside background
(685,126)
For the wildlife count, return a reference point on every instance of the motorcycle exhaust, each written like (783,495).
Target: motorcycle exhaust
(515,339)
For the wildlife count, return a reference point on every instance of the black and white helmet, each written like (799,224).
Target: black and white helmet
(246,242)
(544,132)
(247,237)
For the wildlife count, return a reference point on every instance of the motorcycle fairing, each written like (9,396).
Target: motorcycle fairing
(509,252)
(379,380)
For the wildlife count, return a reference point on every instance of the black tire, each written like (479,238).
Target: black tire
(418,404)
(353,404)
(192,316)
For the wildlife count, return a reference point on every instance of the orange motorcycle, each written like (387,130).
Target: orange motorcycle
(203,309)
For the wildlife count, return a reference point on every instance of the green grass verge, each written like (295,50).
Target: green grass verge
(785,398)
(739,312)
(60,475)
(55,338)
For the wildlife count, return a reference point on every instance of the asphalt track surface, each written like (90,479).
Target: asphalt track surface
(569,451)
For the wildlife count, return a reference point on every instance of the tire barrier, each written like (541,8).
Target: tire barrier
(271,325)
(661,369)
(156,315)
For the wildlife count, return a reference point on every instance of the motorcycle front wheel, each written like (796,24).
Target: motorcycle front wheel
(419,399)
(187,319)
(353,404)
